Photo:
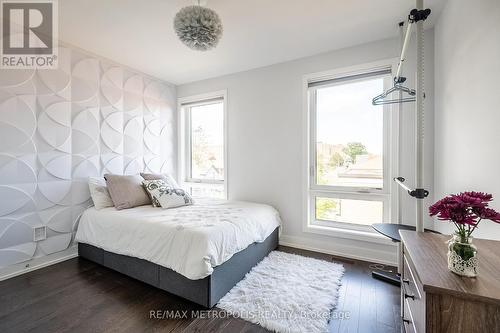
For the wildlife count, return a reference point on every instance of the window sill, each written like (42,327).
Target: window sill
(366,236)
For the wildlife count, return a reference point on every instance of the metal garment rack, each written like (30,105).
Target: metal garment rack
(416,18)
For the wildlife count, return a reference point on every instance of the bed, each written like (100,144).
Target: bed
(198,252)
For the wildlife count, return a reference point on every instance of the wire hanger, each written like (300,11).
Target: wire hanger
(398,87)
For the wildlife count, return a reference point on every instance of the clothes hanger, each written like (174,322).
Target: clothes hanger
(398,87)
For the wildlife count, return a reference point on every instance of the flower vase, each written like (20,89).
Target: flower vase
(462,256)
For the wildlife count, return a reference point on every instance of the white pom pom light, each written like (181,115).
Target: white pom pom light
(198,27)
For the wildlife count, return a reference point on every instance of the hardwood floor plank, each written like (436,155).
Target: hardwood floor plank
(368,306)
(352,302)
(385,299)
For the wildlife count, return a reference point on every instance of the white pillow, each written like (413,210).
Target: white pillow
(164,195)
(99,193)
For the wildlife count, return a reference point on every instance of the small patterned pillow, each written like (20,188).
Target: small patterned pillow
(169,180)
(164,195)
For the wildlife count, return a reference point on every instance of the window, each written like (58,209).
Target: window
(203,146)
(350,150)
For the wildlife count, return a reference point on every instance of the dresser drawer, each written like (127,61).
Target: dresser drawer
(412,298)
(413,311)
(410,280)
(408,321)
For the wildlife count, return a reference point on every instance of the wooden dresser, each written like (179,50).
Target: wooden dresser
(435,300)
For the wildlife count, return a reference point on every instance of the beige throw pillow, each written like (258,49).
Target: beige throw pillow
(126,191)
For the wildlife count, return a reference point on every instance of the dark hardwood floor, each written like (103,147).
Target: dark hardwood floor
(80,296)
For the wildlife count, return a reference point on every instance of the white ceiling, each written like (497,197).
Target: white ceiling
(139,33)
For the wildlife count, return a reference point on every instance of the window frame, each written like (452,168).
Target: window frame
(388,194)
(184,119)
(345,195)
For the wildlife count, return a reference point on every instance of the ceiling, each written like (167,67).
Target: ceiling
(139,33)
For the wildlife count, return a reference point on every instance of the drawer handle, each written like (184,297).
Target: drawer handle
(410,296)
(406,281)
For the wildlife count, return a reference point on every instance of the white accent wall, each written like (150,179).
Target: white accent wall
(467,57)
(265,139)
(58,127)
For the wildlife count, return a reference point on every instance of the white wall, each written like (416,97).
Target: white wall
(467,119)
(58,127)
(265,138)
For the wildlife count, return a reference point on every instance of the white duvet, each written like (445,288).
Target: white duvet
(190,240)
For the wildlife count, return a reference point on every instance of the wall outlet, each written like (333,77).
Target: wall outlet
(39,233)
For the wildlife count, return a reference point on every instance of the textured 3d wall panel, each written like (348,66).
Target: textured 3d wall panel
(57,128)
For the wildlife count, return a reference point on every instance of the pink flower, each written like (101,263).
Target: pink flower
(485,197)
(490,214)
(466,208)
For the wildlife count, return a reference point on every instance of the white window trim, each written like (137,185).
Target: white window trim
(346,230)
(183,140)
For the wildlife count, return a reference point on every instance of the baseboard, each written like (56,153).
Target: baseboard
(359,253)
(37,263)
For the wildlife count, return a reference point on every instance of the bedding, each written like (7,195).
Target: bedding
(190,240)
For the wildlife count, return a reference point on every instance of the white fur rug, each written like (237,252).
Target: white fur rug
(287,293)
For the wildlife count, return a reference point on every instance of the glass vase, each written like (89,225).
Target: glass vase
(462,256)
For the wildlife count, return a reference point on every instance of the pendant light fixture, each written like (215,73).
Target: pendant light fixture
(198,27)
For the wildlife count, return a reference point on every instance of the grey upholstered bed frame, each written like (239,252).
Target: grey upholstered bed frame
(206,292)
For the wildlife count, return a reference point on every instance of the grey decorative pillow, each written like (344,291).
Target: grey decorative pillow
(168,178)
(166,196)
(126,191)
(157,176)
(152,184)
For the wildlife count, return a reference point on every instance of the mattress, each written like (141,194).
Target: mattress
(190,240)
